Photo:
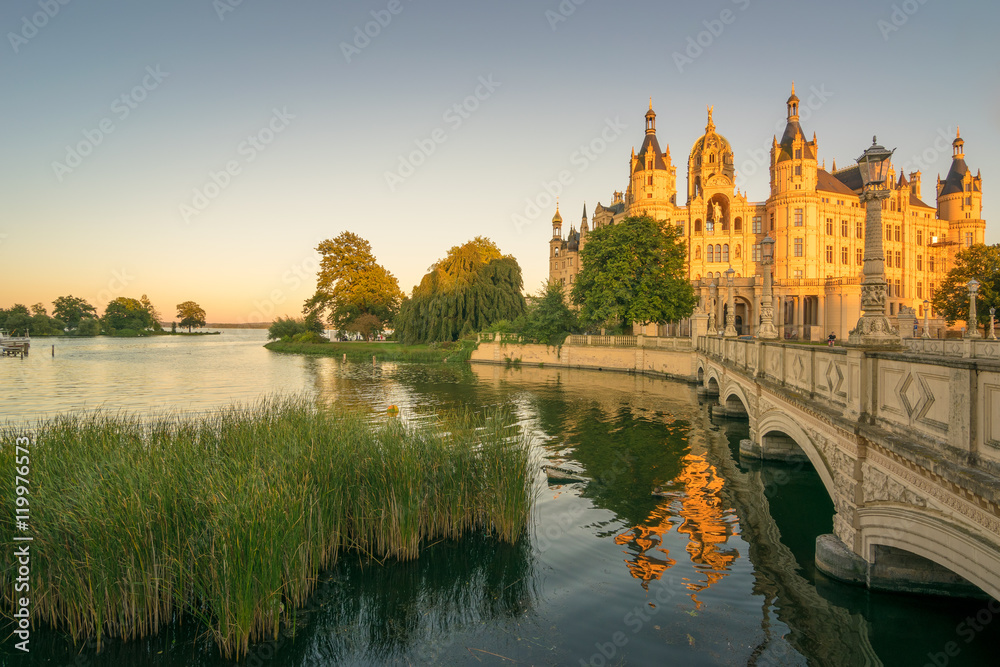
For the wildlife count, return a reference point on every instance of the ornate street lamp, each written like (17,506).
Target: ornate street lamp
(972,331)
(873,328)
(766,329)
(731,307)
(993,334)
(927,310)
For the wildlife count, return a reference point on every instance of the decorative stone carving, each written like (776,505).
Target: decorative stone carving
(879,487)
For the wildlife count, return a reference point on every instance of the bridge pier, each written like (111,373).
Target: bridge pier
(893,570)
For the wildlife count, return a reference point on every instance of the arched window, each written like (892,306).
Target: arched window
(711,159)
(738,252)
(738,225)
(711,252)
(718,253)
(725,253)
(557,252)
(697,226)
(697,252)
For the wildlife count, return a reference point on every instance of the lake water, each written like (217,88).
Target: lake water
(718,571)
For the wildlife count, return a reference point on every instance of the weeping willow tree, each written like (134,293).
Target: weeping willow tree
(471,288)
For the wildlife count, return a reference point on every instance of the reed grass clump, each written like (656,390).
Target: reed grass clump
(230,518)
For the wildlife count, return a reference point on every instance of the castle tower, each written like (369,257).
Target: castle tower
(710,165)
(960,200)
(651,189)
(793,159)
(557,224)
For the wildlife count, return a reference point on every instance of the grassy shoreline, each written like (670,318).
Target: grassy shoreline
(387,351)
(229,519)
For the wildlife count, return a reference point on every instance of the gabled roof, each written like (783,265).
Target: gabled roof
(827,182)
(915,202)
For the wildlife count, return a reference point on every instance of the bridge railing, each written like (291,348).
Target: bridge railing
(965,348)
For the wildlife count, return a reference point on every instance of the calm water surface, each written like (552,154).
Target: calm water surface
(718,571)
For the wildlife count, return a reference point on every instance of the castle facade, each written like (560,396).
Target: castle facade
(815,218)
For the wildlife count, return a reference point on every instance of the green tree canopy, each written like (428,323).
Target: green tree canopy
(191,314)
(125,313)
(951,300)
(71,310)
(633,271)
(472,287)
(350,284)
(154,315)
(548,318)
(16,319)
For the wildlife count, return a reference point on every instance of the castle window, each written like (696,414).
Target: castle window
(725,253)
(756,252)
(725,225)
(798,153)
(772,222)
(798,217)
(798,274)
(571,279)
(888,233)
(920,262)
(711,253)
(697,252)
(711,159)
(756,224)
(920,237)
(798,170)
(649,165)
(680,228)
(650,180)
(697,226)
(899,288)
(843,228)
(843,255)
(899,260)
(859,256)
(931,295)
(798,247)
(930,263)
(829,226)
(829,254)
(920,294)
(859,230)
(968,239)
(897,233)
(738,251)
(557,252)
(649,195)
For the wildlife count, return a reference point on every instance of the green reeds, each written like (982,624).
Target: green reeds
(229,518)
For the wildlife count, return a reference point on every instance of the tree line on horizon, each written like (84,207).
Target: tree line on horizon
(123,316)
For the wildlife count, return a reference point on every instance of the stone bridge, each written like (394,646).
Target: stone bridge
(907,444)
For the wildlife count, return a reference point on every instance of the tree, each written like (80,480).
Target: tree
(350,284)
(154,315)
(951,301)
(191,314)
(548,318)
(366,325)
(89,326)
(472,287)
(126,314)
(633,271)
(71,310)
(286,327)
(16,319)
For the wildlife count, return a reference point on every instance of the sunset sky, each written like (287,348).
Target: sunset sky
(201,150)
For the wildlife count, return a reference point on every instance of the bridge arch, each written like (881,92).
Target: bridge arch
(931,536)
(734,399)
(776,423)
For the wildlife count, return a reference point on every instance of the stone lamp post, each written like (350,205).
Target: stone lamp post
(972,330)
(766,329)
(731,305)
(927,311)
(873,328)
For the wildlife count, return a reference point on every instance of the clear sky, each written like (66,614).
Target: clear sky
(200,150)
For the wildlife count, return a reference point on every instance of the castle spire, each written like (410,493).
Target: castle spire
(711,124)
(793,106)
(957,146)
(650,119)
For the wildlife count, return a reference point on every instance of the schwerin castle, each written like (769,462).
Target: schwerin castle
(816,220)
